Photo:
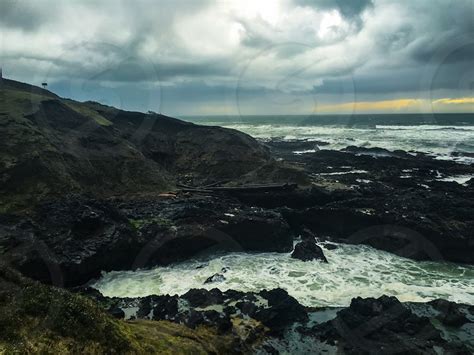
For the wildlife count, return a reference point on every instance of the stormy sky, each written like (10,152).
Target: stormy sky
(246,57)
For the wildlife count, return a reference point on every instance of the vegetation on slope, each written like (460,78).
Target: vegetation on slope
(36,318)
(50,147)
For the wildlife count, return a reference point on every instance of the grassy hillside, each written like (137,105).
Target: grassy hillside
(51,146)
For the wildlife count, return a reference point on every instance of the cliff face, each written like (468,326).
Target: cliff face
(51,146)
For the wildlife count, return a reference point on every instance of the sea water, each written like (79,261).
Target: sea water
(352,270)
(442,135)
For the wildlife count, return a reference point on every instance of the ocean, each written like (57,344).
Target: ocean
(445,136)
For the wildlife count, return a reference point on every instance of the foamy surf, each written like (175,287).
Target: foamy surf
(441,141)
(353,270)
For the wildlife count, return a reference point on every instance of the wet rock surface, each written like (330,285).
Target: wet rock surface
(385,325)
(308,250)
(450,314)
(215,278)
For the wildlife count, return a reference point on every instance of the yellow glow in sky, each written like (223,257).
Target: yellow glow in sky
(386,105)
(459,101)
(398,105)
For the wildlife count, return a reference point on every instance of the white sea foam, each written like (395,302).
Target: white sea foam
(299,152)
(460,179)
(440,141)
(352,271)
(344,172)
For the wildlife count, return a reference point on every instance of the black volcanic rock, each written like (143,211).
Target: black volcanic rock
(372,326)
(202,298)
(69,241)
(449,313)
(282,311)
(393,201)
(336,222)
(275,309)
(116,312)
(308,250)
(215,278)
(274,320)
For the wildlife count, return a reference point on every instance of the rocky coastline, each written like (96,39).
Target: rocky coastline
(88,188)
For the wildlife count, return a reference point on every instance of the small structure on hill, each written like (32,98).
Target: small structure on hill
(44,85)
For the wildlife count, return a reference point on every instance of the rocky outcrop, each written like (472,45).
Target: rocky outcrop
(68,242)
(450,314)
(377,325)
(308,250)
(395,201)
(219,277)
(181,227)
(271,311)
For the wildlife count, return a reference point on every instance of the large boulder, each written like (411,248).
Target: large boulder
(282,311)
(308,250)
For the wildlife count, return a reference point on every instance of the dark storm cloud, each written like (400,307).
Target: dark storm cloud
(211,52)
(26,16)
(443,31)
(406,80)
(456,47)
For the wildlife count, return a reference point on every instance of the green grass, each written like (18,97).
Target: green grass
(18,103)
(84,110)
(36,318)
